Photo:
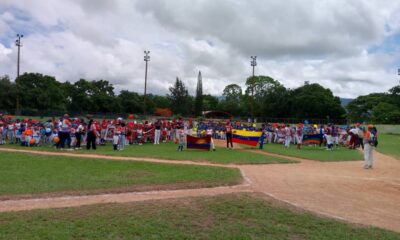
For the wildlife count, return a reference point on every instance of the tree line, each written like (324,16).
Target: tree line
(376,107)
(262,96)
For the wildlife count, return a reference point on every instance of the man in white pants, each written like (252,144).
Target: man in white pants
(10,132)
(288,136)
(157,134)
(210,132)
(368,148)
(329,139)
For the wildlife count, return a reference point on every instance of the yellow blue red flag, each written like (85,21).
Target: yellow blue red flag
(246,137)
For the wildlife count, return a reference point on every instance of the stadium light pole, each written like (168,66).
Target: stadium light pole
(253,62)
(19,45)
(146,59)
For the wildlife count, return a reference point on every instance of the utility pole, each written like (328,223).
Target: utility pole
(19,45)
(253,62)
(146,59)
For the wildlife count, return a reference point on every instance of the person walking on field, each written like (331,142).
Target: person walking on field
(368,147)
(228,131)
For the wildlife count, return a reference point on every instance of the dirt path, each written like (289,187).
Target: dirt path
(342,190)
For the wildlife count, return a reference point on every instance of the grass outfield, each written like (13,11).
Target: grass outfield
(316,153)
(389,144)
(169,151)
(388,129)
(233,216)
(35,174)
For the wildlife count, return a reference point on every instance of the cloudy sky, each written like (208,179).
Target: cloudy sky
(352,47)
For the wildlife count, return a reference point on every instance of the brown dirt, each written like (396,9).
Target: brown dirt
(117,190)
(342,190)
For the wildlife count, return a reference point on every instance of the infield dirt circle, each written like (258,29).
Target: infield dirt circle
(342,190)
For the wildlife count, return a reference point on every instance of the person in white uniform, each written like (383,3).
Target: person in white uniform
(210,132)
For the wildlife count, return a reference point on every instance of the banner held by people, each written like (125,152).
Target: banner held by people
(203,143)
(246,137)
(312,138)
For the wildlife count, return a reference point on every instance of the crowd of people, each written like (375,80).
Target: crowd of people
(73,133)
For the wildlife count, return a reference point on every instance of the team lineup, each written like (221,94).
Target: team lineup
(73,133)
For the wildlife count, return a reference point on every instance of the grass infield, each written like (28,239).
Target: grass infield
(315,153)
(233,216)
(35,174)
(169,151)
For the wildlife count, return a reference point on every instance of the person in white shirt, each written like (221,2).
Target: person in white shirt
(210,132)
(288,136)
(10,132)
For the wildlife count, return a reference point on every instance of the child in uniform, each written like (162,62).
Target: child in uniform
(209,132)
(181,138)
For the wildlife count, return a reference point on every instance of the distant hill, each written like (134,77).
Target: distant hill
(345,101)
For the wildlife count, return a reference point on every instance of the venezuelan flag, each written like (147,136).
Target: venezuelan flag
(246,137)
(203,143)
(312,138)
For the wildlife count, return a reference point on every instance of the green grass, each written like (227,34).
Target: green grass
(315,153)
(169,151)
(388,129)
(31,174)
(389,144)
(234,216)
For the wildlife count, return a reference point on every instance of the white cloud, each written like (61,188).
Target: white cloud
(319,41)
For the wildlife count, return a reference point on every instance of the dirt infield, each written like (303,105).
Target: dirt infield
(342,190)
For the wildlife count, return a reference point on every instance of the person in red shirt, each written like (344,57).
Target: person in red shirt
(104,125)
(228,131)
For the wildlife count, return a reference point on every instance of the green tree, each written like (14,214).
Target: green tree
(232,102)
(385,113)
(265,96)
(395,95)
(160,101)
(181,102)
(360,109)
(91,96)
(103,96)
(130,102)
(7,94)
(79,96)
(210,103)
(315,101)
(41,92)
